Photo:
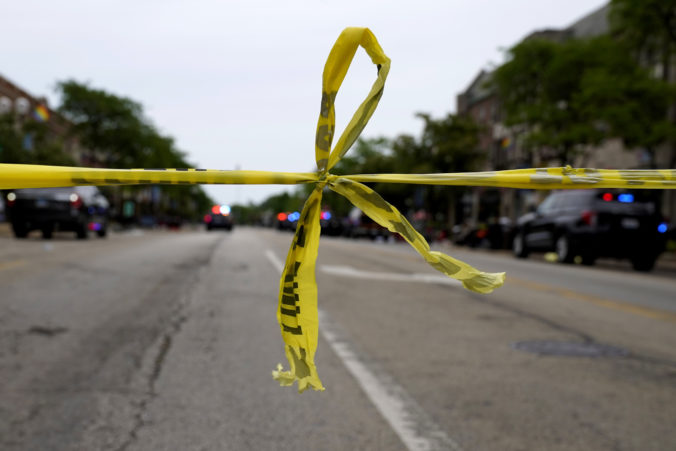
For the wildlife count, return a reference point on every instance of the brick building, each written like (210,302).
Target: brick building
(25,107)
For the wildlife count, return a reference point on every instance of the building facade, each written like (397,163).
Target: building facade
(24,108)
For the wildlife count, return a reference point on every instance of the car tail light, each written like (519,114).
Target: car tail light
(588,217)
(207,219)
(75,201)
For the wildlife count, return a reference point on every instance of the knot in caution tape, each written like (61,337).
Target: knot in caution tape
(297,307)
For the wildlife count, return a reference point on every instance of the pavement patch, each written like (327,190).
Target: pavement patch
(569,349)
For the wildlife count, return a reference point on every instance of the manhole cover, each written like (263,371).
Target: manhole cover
(566,348)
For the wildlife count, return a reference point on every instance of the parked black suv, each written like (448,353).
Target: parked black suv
(590,223)
(78,209)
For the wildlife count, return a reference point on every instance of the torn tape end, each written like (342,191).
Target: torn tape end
(485,282)
(287,378)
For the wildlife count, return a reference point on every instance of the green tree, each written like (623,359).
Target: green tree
(449,144)
(116,127)
(568,96)
(105,122)
(283,202)
(648,27)
(368,156)
(43,148)
(11,148)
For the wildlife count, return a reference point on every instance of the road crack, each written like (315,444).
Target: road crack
(163,347)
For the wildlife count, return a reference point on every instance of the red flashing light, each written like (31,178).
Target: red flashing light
(282,216)
(607,197)
(216,209)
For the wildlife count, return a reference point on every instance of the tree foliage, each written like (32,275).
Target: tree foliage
(115,127)
(28,142)
(449,144)
(574,94)
(648,27)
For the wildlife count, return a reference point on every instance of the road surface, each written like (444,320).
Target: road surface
(166,340)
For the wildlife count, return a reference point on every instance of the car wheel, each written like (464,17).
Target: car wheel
(47,232)
(81,232)
(20,230)
(643,263)
(102,233)
(519,246)
(564,251)
(588,260)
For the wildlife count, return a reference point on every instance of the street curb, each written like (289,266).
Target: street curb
(666,261)
(5,229)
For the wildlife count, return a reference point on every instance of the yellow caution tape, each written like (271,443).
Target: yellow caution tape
(297,309)
(16,176)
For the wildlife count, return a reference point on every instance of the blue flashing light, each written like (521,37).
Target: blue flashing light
(326,215)
(662,228)
(626,198)
(293,217)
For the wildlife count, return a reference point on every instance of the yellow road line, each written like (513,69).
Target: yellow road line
(11,264)
(627,307)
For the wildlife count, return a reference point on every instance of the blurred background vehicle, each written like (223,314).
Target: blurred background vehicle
(79,209)
(287,221)
(219,218)
(589,224)
(359,225)
(330,225)
(493,234)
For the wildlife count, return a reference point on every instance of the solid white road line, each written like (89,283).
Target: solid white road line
(277,263)
(408,420)
(348,271)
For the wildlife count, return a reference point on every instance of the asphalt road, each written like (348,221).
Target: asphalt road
(161,340)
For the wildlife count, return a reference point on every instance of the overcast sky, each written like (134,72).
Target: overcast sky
(238,84)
